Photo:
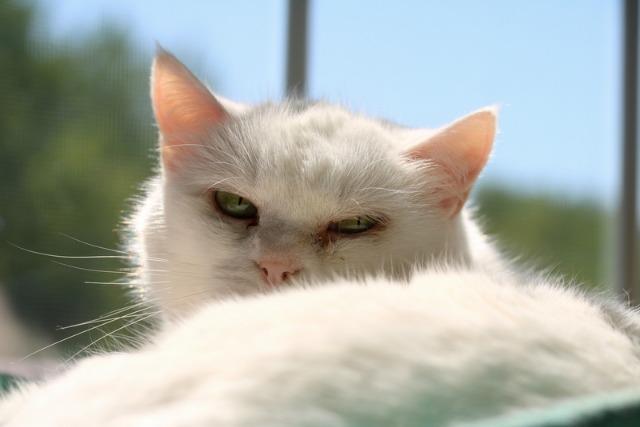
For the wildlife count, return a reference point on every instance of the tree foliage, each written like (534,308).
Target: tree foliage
(565,237)
(75,138)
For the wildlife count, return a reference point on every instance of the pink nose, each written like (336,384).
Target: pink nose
(276,271)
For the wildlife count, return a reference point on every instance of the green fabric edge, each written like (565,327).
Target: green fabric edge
(619,409)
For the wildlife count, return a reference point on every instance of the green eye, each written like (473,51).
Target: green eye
(353,225)
(235,206)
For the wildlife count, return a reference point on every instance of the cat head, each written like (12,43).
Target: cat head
(254,198)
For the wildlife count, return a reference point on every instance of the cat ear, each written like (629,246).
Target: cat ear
(182,105)
(459,151)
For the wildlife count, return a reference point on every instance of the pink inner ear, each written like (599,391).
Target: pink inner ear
(183,107)
(460,150)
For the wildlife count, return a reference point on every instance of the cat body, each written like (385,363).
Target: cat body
(318,268)
(447,347)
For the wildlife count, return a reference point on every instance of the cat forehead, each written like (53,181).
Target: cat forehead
(303,126)
(311,156)
(320,143)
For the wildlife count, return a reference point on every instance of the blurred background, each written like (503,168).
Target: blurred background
(77,135)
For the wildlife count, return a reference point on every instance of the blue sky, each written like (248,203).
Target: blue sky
(553,66)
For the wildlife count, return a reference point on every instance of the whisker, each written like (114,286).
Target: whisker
(123,339)
(90,322)
(144,317)
(89,269)
(66,339)
(126,254)
(120,283)
(68,256)
(106,316)
(92,245)
(90,282)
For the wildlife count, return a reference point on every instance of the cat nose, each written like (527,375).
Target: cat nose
(276,271)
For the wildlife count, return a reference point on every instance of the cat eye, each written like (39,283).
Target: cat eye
(353,225)
(234,205)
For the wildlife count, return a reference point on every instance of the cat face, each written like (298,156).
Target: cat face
(252,199)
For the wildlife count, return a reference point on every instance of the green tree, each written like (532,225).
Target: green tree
(565,237)
(75,136)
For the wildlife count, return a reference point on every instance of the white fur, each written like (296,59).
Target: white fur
(448,347)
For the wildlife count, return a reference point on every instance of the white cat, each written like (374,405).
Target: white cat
(376,300)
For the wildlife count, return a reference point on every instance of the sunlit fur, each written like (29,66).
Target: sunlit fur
(303,165)
(448,347)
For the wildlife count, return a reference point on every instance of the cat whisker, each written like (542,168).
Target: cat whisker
(91,282)
(93,245)
(69,256)
(33,353)
(91,322)
(107,316)
(136,313)
(90,269)
(106,320)
(141,318)
(125,255)
(121,340)
(121,283)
